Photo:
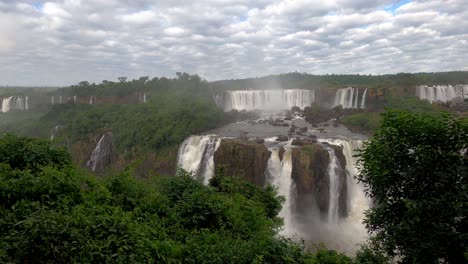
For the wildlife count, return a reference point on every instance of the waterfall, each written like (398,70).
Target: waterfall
(349,98)
(6,104)
(363,100)
(26,103)
(74,99)
(268,99)
(101,155)
(442,93)
(348,232)
(196,155)
(92,100)
(54,131)
(334,189)
(339,232)
(279,174)
(60,99)
(19,103)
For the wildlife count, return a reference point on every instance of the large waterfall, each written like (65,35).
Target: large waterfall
(268,99)
(15,103)
(342,232)
(196,155)
(349,98)
(442,93)
(279,174)
(345,234)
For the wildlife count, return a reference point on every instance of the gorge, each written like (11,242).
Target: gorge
(312,167)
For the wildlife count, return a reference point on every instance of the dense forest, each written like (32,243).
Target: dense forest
(307,81)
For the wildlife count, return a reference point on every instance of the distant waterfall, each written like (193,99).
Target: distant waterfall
(279,174)
(15,103)
(54,131)
(196,155)
(349,98)
(6,104)
(268,99)
(92,100)
(75,99)
(363,100)
(143,98)
(442,93)
(101,155)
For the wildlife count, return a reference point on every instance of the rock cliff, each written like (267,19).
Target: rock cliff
(247,159)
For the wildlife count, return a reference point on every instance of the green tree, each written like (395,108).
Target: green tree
(415,170)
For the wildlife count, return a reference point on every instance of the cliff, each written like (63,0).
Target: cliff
(236,157)
(310,175)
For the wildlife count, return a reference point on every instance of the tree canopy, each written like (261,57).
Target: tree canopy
(415,169)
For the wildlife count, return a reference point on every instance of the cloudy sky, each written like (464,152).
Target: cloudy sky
(66,41)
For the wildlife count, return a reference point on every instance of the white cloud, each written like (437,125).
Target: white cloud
(62,42)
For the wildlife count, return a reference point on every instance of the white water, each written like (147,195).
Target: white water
(442,93)
(363,100)
(196,155)
(334,190)
(279,174)
(348,232)
(92,100)
(100,152)
(349,98)
(54,131)
(14,103)
(268,99)
(6,104)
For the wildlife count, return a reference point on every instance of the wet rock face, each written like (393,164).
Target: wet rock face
(236,157)
(310,175)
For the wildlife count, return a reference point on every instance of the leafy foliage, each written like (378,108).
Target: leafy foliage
(415,169)
(52,213)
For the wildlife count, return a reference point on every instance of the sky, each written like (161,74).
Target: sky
(63,42)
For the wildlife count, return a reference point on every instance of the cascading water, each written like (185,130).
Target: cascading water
(334,189)
(442,93)
(349,98)
(196,155)
(335,230)
(6,104)
(363,100)
(348,232)
(101,155)
(279,174)
(54,131)
(268,99)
